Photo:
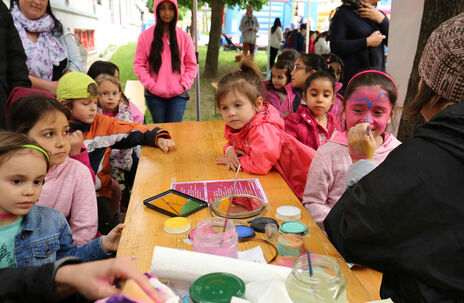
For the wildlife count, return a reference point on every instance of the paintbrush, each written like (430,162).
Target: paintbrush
(231,197)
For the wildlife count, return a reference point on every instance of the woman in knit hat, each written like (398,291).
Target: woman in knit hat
(406,217)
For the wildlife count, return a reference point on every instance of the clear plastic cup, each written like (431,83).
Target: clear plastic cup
(211,239)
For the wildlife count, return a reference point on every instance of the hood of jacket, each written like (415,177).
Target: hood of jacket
(267,114)
(446,130)
(158,2)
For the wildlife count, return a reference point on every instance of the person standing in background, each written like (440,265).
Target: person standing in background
(249,26)
(276,40)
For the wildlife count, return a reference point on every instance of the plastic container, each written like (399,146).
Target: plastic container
(216,288)
(326,285)
(211,239)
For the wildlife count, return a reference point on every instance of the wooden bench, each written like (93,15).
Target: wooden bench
(135,92)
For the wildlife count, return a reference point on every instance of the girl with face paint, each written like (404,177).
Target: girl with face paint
(369,101)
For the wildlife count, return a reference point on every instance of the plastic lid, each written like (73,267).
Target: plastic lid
(293,227)
(288,213)
(259,224)
(216,288)
(244,232)
(176,225)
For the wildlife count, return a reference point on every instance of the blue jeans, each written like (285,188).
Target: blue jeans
(164,110)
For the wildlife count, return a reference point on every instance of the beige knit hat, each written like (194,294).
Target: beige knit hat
(442,62)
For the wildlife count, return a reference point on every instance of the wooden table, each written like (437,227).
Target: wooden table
(199,144)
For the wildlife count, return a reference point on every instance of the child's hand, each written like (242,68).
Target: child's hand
(231,159)
(166,145)
(361,142)
(76,139)
(110,242)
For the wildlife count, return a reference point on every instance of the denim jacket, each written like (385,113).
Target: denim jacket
(46,237)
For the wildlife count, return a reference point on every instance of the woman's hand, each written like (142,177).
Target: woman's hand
(231,159)
(76,139)
(166,145)
(375,39)
(110,242)
(370,12)
(361,142)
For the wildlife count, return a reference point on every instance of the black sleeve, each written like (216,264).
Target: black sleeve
(137,137)
(27,284)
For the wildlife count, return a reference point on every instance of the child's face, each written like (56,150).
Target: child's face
(337,67)
(52,133)
(299,74)
(84,110)
(21,178)
(279,78)
(369,104)
(237,110)
(319,96)
(166,11)
(110,97)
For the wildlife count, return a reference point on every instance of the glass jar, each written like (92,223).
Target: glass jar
(326,285)
(211,238)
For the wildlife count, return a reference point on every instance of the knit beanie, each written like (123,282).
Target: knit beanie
(442,62)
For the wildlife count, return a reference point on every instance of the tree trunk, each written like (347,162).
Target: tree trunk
(435,13)
(212,54)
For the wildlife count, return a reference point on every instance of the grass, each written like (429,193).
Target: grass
(124,56)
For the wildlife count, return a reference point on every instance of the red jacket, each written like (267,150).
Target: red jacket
(267,145)
(306,129)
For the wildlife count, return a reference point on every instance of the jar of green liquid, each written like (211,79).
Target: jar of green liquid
(326,285)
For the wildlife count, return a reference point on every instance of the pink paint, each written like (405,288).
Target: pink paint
(217,242)
(369,104)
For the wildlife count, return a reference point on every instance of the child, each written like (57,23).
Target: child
(313,124)
(108,68)
(336,66)
(255,131)
(304,67)
(69,187)
(370,98)
(280,77)
(34,235)
(79,93)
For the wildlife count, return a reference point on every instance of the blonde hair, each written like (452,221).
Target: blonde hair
(248,80)
(104,77)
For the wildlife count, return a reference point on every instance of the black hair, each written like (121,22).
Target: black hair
(314,62)
(303,26)
(102,67)
(283,64)
(332,58)
(276,25)
(157,45)
(26,111)
(320,75)
(289,54)
(57,30)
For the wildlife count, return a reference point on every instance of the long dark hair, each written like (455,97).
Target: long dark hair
(157,44)
(57,30)
(276,25)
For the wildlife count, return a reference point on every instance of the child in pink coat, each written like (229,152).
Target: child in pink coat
(370,98)
(276,89)
(313,124)
(255,131)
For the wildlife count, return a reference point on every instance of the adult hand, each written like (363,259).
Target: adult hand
(77,139)
(110,242)
(95,280)
(166,145)
(370,12)
(361,142)
(375,39)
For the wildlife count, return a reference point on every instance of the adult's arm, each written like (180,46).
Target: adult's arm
(74,55)
(280,34)
(49,86)
(242,27)
(256,24)
(190,63)
(142,66)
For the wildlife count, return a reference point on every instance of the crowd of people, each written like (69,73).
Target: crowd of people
(67,138)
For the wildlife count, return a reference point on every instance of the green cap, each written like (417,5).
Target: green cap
(216,288)
(74,85)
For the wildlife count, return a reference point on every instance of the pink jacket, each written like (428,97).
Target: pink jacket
(136,113)
(326,180)
(270,94)
(266,145)
(69,189)
(287,105)
(337,106)
(165,84)
(307,130)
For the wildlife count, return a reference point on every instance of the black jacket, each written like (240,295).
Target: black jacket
(406,218)
(13,69)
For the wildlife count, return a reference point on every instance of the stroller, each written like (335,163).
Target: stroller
(230,46)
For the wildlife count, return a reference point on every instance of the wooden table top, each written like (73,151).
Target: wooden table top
(199,144)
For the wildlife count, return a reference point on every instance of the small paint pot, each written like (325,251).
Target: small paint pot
(288,213)
(259,224)
(293,227)
(245,233)
(290,245)
(176,225)
(216,287)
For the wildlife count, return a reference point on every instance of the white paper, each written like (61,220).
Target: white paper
(253,255)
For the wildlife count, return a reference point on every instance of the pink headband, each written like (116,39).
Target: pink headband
(374,72)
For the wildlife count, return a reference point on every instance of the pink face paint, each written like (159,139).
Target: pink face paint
(368,104)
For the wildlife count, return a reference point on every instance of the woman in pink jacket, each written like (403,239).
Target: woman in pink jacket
(255,131)
(165,64)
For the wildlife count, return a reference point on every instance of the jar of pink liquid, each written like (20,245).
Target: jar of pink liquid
(211,238)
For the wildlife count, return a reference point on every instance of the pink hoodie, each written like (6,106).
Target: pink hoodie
(165,84)
(326,181)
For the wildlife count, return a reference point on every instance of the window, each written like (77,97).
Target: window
(86,37)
